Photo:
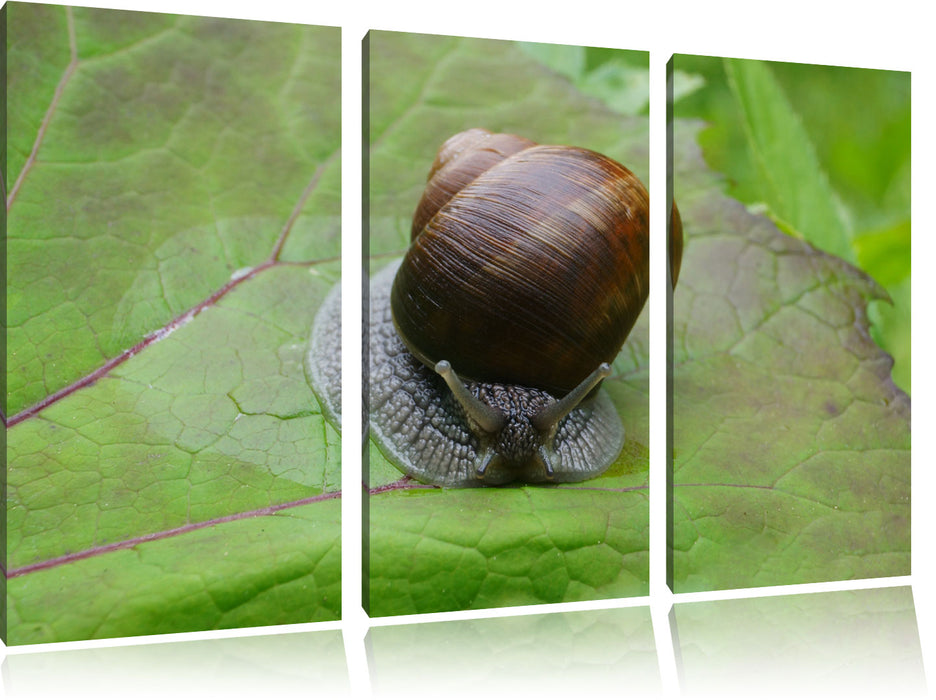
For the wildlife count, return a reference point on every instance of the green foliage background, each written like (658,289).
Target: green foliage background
(839,135)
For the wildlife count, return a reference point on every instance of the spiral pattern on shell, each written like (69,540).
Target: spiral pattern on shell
(528,265)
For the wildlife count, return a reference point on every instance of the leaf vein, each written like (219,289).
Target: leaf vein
(56,96)
(172,532)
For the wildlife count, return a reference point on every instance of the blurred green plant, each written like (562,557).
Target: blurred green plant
(824,151)
(618,78)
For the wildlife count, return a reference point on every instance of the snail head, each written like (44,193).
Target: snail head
(517,425)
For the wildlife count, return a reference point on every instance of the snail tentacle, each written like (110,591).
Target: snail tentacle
(485,462)
(555,412)
(547,462)
(490,419)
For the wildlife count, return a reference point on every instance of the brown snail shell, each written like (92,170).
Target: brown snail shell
(528,264)
(675,244)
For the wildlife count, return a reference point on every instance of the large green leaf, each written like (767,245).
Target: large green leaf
(792,444)
(435,549)
(173,226)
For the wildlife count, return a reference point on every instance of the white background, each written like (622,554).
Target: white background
(896,35)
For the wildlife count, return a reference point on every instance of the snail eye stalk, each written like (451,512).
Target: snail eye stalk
(555,412)
(547,463)
(490,419)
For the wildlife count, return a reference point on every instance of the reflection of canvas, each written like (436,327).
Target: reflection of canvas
(791,442)
(863,643)
(436,549)
(168,466)
(233,667)
(604,650)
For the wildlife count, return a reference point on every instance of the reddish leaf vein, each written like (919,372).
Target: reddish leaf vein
(184,529)
(59,89)
(300,204)
(153,337)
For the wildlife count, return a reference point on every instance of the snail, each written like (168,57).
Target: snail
(527,268)
(487,343)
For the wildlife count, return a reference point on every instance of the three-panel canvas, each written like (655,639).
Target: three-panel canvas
(173,325)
